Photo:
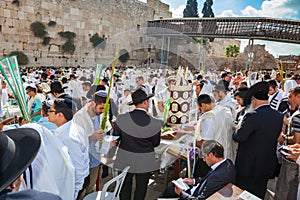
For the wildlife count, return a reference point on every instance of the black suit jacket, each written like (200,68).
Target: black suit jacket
(212,182)
(257,138)
(139,134)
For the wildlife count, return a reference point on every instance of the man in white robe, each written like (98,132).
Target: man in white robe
(89,118)
(215,124)
(52,169)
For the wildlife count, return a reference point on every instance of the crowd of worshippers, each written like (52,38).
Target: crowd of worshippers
(248,130)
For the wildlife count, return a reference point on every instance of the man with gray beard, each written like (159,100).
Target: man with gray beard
(257,140)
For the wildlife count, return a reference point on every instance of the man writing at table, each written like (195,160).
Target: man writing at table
(222,172)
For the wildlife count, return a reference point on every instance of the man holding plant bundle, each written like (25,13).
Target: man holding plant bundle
(89,118)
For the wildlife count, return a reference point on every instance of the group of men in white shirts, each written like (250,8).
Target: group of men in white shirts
(67,156)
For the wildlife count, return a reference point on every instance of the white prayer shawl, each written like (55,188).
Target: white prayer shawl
(223,129)
(83,119)
(30,101)
(52,169)
(228,103)
(76,87)
(206,89)
(288,85)
(123,104)
(275,99)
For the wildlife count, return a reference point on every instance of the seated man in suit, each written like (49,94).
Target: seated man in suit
(222,172)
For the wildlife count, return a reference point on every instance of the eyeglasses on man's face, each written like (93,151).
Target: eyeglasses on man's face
(49,110)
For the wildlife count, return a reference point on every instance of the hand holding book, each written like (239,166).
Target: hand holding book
(181,184)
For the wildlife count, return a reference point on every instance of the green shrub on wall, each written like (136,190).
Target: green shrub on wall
(46,41)
(51,23)
(123,56)
(68,46)
(38,29)
(16,2)
(21,56)
(67,35)
(97,41)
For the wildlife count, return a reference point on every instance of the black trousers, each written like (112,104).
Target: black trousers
(85,184)
(254,185)
(141,180)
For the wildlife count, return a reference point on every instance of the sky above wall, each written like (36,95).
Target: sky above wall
(283,9)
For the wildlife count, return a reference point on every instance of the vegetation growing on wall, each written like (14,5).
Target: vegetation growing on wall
(16,2)
(38,29)
(67,35)
(68,46)
(123,56)
(51,23)
(232,51)
(46,41)
(21,57)
(97,41)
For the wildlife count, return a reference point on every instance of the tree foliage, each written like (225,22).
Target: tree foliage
(97,41)
(123,56)
(38,29)
(191,9)
(199,40)
(21,57)
(207,10)
(232,51)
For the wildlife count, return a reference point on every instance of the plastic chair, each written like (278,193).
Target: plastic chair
(104,194)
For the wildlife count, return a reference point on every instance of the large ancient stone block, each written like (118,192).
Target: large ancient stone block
(45,5)
(6,13)
(74,11)
(28,9)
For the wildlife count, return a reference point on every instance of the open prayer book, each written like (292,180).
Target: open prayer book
(179,183)
(248,196)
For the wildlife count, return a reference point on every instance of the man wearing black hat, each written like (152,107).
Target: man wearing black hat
(18,148)
(58,91)
(257,140)
(139,134)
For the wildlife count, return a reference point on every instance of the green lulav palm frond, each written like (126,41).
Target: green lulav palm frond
(107,105)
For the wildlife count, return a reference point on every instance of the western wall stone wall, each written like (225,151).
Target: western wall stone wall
(120,22)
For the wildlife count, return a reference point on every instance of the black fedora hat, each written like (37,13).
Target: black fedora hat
(259,91)
(138,96)
(18,148)
(56,86)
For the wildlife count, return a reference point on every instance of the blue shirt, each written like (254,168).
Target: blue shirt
(36,106)
(93,152)
(44,121)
